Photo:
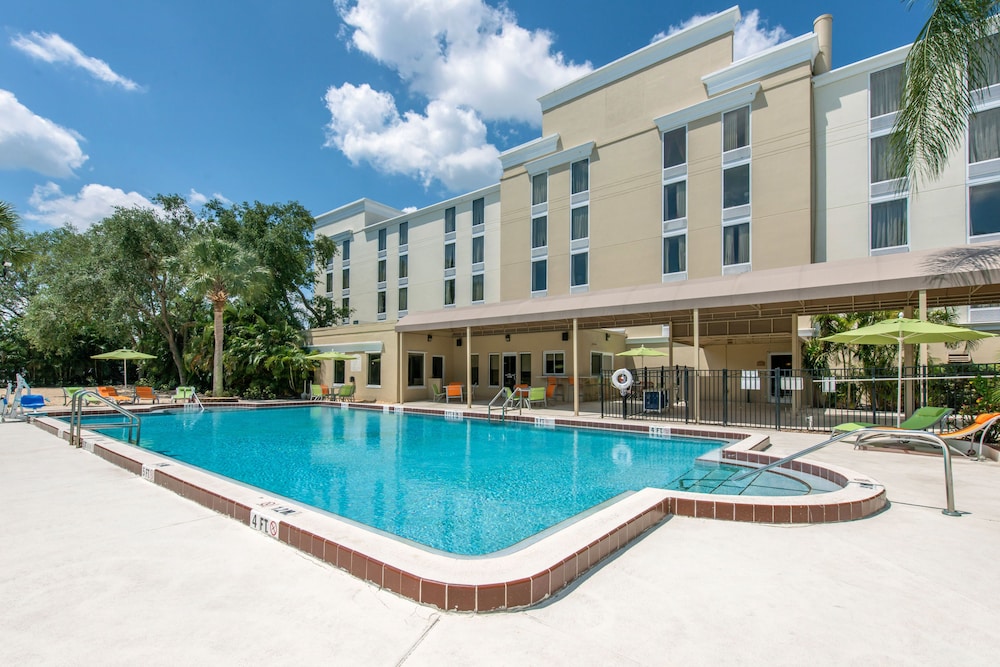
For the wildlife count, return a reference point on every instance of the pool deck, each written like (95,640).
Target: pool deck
(99,566)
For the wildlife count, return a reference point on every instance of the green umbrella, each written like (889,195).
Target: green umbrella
(336,356)
(642,351)
(124,354)
(900,331)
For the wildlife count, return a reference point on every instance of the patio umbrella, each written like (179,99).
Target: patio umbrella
(900,331)
(642,351)
(124,354)
(333,354)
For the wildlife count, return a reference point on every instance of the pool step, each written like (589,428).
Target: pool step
(703,479)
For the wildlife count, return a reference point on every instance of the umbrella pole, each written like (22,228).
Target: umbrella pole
(899,382)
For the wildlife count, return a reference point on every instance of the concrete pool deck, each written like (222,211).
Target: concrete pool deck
(99,566)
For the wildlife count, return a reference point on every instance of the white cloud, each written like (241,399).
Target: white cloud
(447,144)
(472,63)
(195,198)
(750,36)
(52,48)
(92,204)
(28,141)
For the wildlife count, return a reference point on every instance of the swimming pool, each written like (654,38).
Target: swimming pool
(465,487)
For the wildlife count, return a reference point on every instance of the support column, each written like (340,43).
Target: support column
(922,354)
(909,361)
(576,374)
(468,367)
(671,376)
(697,367)
(796,364)
(400,376)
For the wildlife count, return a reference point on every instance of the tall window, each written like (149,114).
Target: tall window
(329,282)
(478,288)
(675,254)
(881,159)
(338,371)
(449,256)
(675,201)
(888,224)
(674,147)
(474,367)
(478,245)
(404,233)
(579,227)
(478,211)
(984,209)
(539,269)
(381,304)
(345,305)
(989,75)
(403,299)
(345,279)
(382,239)
(449,292)
(449,220)
(437,366)
(345,250)
(494,370)
(539,232)
(736,186)
(885,89)
(381,270)
(415,369)
(736,244)
(736,129)
(524,360)
(539,189)
(404,266)
(580,177)
(578,269)
(984,135)
(374,369)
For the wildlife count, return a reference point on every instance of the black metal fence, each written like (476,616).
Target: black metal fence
(796,399)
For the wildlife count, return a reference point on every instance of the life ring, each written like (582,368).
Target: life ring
(621,379)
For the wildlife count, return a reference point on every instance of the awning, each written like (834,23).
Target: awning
(367,346)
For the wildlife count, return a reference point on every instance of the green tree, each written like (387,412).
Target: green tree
(221,270)
(951,57)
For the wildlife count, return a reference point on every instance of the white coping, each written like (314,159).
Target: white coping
(509,565)
(764,63)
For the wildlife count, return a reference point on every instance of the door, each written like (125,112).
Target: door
(509,369)
(780,364)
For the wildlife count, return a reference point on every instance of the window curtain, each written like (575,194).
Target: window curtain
(478,212)
(581,176)
(734,129)
(579,264)
(478,287)
(675,201)
(886,89)
(449,256)
(889,224)
(989,48)
(404,266)
(403,298)
(984,135)
(449,292)
(539,232)
(675,254)
(736,244)
(478,245)
(580,227)
(539,189)
(538,271)
(381,270)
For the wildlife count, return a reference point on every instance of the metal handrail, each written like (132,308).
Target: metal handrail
(195,399)
(931,438)
(509,401)
(76,417)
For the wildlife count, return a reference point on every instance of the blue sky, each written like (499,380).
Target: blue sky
(106,103)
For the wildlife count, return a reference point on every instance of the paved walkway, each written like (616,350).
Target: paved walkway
(99,567)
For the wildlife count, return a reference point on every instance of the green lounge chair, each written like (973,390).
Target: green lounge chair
(183,394)
(438,394)
(921,420)
(345,392)
(536,395)
(317,392)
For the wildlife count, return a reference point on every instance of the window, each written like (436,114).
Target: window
(329,283)
(449,255)
(381,270)
(415,369)
(596,360)
(984,135)
(675,254)
(989,75)
(437,367)
(888,224)
(539,189)
(525,362)
(449,220)
(478,211)
(449,292)
(403,298)
(674,147)
(494,370)
(345,279)
(338,371)
(345,306)
(478,287)
(579,227)
(404,233)
(736,186)
(736,129)
(404,266)
(539,232)
(675,201)
(885,90)
(474,367)
(984,209)
(478,245)
(381,302)
(881,157)
(555,363)
(374,370)
(539,270)
(736,244)
(578,269)
(345,250)
(381,238)
(580,177)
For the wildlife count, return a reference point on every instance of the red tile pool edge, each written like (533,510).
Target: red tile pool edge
(527,591)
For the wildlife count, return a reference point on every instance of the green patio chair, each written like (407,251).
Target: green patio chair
(345,392)
(921,420)
(183,394)
(536,395)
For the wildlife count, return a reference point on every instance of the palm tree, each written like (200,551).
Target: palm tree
(222,270)
(12,248)
(953,52)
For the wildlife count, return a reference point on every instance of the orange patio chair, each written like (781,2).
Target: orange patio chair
(111,394)
(145,394)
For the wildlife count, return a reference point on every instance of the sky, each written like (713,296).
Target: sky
(407,102)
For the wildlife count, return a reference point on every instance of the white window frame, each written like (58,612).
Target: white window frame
(554,354)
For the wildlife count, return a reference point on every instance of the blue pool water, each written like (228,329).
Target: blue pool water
(465,487)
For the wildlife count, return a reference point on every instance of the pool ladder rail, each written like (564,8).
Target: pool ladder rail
(84,396)
(504,400)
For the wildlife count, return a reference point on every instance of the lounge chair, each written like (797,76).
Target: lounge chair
(112,394)
(536,395)
(921,420)
(345,392)
(183,394)
(143,393)
(68,393)
(979,426)
(317,392)
(437,393)
(454,390)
